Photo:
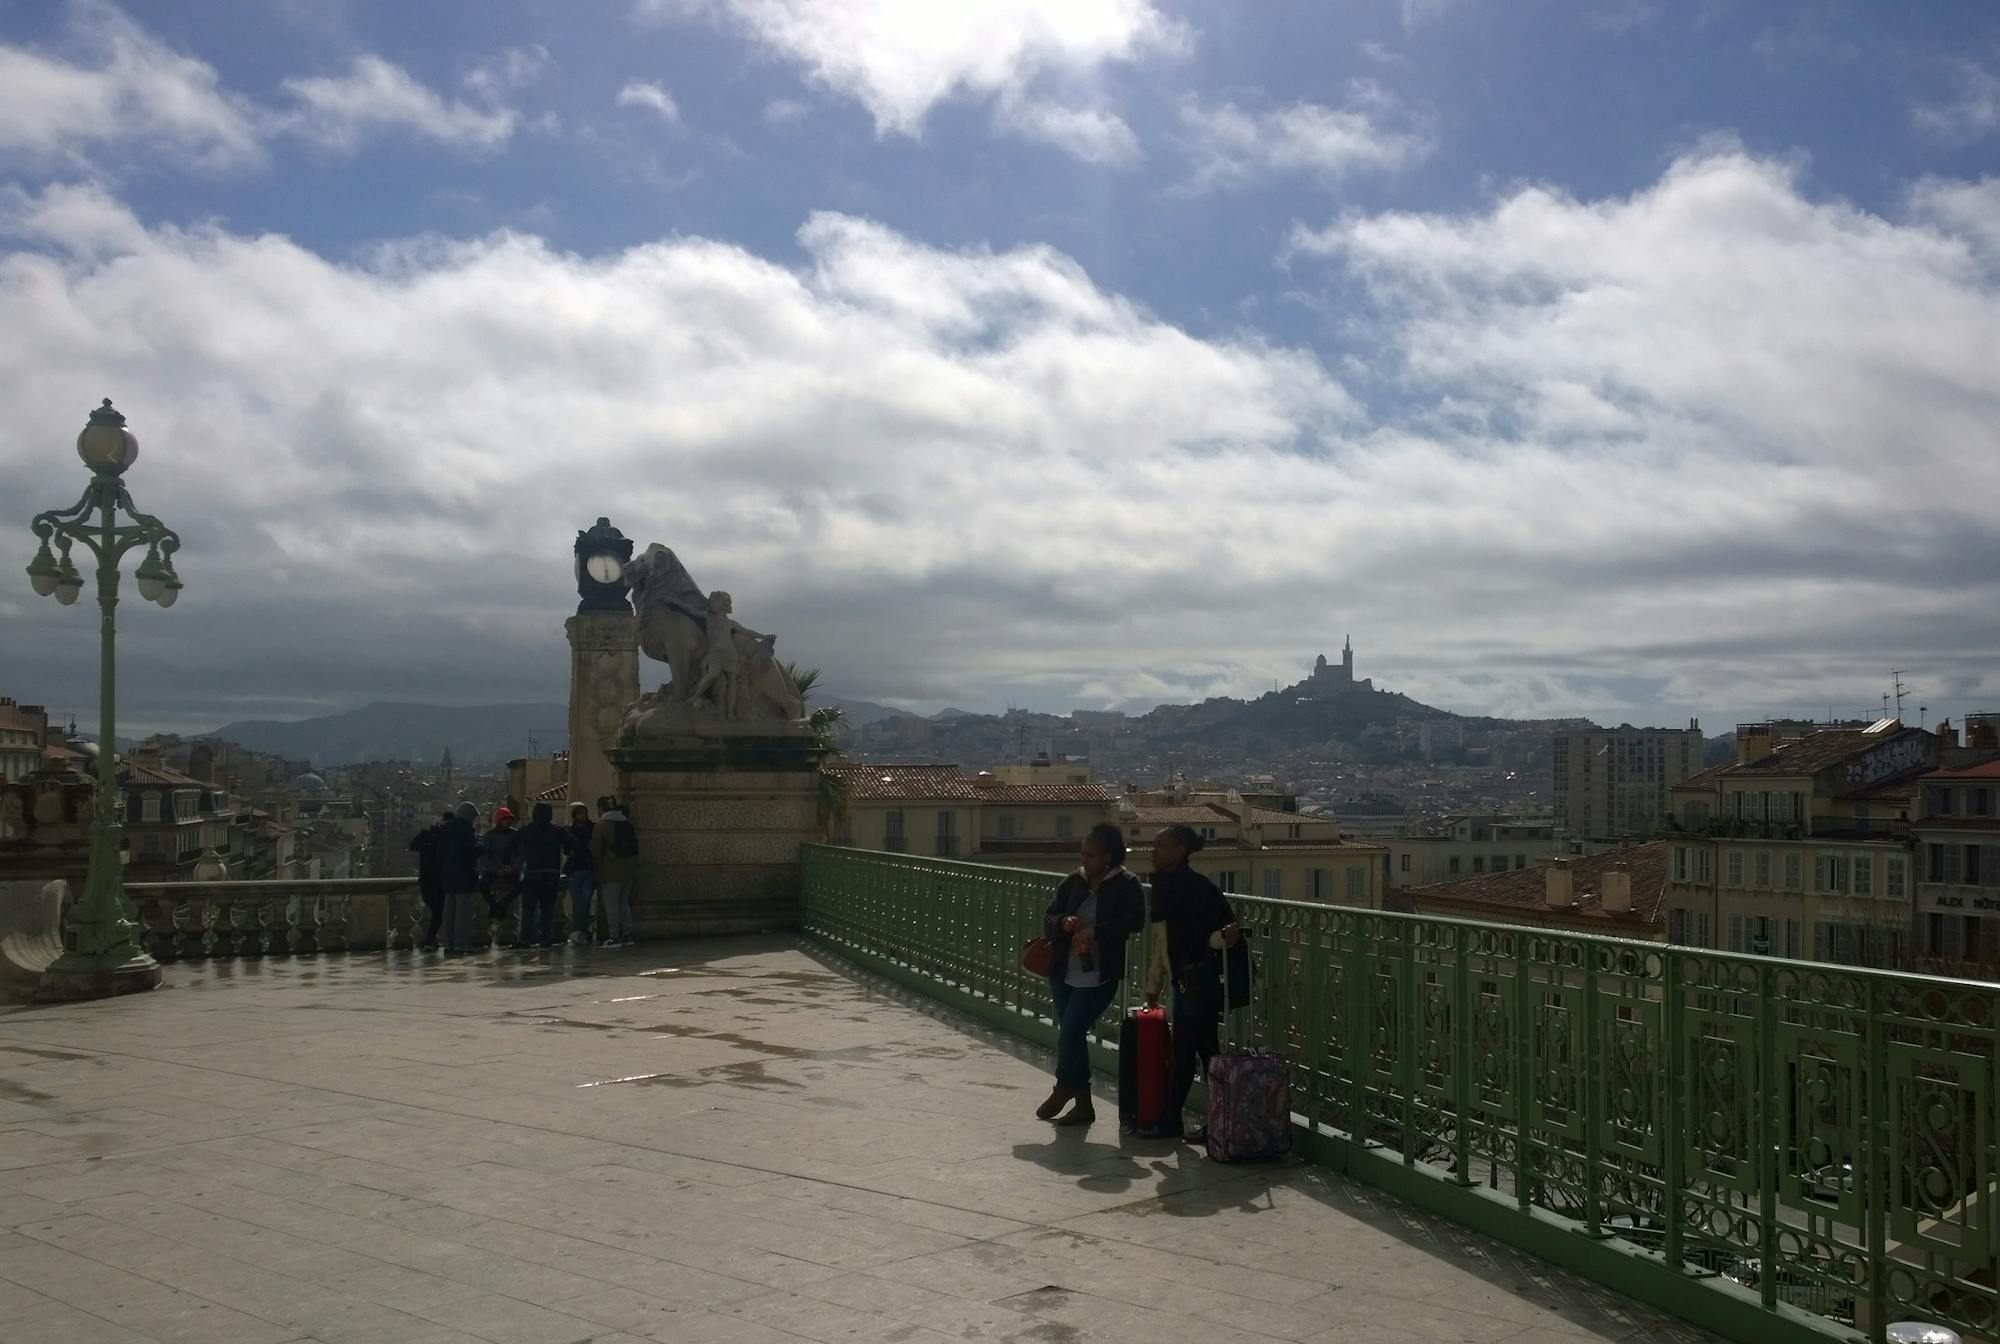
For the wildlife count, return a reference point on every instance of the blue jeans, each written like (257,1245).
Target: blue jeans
(582,882)
(1076,1010)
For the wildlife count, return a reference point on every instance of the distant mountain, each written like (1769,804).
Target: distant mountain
(859,713)
(399,732)
(947,715)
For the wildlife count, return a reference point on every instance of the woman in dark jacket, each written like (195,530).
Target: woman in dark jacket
(1094,911)
(1192,926)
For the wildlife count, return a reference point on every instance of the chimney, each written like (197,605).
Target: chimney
(1559,893)
(1946,734)
(1753,742)
(1617,891)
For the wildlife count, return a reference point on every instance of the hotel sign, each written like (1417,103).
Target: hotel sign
(1960,900)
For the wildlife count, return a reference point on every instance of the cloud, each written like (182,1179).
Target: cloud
(508,72)
(377,97)
(652,97)
(1717,444)
(109,82)
(1971,108)
(1374,130)
(784,111)
(1035,59)
(1090,134)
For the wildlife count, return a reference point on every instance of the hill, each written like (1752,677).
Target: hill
(386,731)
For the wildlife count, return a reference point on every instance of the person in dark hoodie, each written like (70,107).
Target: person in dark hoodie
(500,867)
(580,872)
(430,882)
(540,850)
(1193,927)
(458,874)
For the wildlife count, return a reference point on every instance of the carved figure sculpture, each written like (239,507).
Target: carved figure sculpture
(716,666)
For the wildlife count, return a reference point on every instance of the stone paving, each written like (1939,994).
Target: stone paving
(736,1140)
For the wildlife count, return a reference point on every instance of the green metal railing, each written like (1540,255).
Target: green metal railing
(1772,1149)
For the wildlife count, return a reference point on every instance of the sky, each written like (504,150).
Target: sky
(1631,359)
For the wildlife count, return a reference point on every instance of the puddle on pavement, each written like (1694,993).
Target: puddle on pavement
(12,1091)
(41,1053)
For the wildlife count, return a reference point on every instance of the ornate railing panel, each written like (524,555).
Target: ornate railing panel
(182,921)
(1776,1149)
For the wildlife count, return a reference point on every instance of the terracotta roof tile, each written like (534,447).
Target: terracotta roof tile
(1188,814)
(1984,770)
(1525,888)
(131,772)
(1265,816)
(867,781)
(995,792)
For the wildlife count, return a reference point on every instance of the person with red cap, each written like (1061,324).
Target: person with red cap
(500,863)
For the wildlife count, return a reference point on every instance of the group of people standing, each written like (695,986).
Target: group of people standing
(1094,911)
(521,872)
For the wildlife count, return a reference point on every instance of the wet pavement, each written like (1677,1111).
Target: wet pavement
(737,1140)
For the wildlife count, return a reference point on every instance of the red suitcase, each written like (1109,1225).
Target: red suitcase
(1145,1067)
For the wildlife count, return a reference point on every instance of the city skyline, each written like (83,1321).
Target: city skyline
(1093,354)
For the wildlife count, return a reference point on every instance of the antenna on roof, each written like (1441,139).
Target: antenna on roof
(1897,673)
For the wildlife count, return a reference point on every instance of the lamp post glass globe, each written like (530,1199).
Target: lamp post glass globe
(604,568)
(42,571)
(105,444)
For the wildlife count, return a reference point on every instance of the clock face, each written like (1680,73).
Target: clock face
(604,568)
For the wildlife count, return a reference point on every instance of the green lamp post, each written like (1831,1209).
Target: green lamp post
(100,954)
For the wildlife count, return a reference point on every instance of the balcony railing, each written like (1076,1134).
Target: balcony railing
(1665,1120)
(181,921)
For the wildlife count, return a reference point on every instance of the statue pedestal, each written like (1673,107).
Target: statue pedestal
(721,809)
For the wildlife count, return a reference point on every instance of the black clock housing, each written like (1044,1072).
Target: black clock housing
(602,539)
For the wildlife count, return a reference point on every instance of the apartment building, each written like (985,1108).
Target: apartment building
(1613,783)
(1801,848)
(1472,846)
(1957,836)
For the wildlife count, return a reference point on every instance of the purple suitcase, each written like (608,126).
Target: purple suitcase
(1249,1102)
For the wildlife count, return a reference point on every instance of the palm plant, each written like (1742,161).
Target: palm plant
(824,720)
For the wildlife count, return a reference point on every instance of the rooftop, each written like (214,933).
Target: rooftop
(993,791)
(724,1141)
(918,783)
(1527,888)
(1985,770)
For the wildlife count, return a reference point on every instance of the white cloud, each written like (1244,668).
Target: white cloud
(1717,444)
(111,82)
(508,72)
(377,97)
(1374,130)
(1971,108)
(1090,134)
(1038,60)
(1969,210)
(638,93)
(784,111)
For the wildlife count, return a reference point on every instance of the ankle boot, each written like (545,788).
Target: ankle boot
(1051,1108)
(1082,1113)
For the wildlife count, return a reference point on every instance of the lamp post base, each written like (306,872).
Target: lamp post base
(76,976)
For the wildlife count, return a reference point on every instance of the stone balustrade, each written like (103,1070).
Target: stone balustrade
(187,921)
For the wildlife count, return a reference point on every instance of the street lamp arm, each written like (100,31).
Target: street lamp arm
(74,525)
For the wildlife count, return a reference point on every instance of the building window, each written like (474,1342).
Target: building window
(1451,864)
(947,833)
(1006,825)
(1822,941)
(1864,875)
(1736,933)
(1942,797)
(1830,873)
(1934,872)
(1677,926)
(1971,868)
(1704,868)
(1274,884)
(1356,879)
(1892,879)
(1982,802)
(1405,862)
(893,839)
(149,807)
(1680,863)
(1478,863)
(184,806)
(1317,886)
(1792,939)
(1733,866)
(1704,935)
(1065,826)
(1520,862)
(1226,879)
(1793,868)
(1760,867)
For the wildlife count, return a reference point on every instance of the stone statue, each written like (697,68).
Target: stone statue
(718,669)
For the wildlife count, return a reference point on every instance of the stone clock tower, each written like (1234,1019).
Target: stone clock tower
(603,660)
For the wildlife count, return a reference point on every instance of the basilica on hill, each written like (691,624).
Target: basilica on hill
(1329,679)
